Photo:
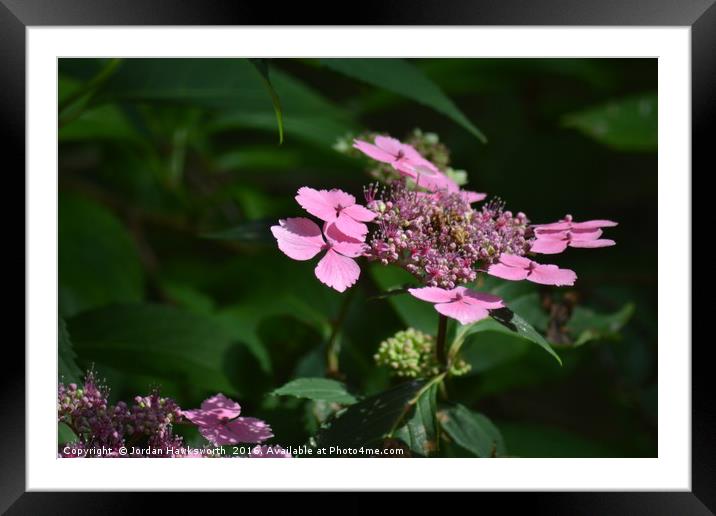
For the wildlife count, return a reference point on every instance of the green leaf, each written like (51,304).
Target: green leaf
(473,431)
(98,259)
(403,78)
(65,434)
(323,389)
(262,67)
(369,420)
(67,367)
(587,325)
(420,432)
(164,341)
(627,124)
(505,321)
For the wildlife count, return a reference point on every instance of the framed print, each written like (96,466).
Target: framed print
(448,251)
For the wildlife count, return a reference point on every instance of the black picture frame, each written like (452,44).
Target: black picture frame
(700,15)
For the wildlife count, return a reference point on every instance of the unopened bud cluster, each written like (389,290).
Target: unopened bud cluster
(411,354)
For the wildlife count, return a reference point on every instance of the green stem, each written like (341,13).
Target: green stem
(457,342)
(440,346)
(333,348)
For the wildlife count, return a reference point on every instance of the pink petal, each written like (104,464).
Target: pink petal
(249,430)
(481,299)
(513,260)
(221,406)
(360,213)
(374,152)
(200,418)
(433,294)
(241,430)
(429,177)
(299,238)
(350,226)
(585,234)
(336,271)
(391,145)
(319,203)
(471,197)
(592,244)
(509,273)
(545,246)
(552,275)
(561,225)
(342,243)
(341,199)
(461,311)
(590,224)
(553,234)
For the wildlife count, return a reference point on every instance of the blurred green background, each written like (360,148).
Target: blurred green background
(171,172)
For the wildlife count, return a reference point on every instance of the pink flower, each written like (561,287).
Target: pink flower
(553,241)
(512,267)
(219,422)
(408,161)
(301,239)
(567,223)
(337,207)
(460,303)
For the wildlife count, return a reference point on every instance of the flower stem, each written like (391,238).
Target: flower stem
(440,347)
(333,347)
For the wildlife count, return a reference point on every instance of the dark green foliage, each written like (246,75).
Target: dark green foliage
(171,173)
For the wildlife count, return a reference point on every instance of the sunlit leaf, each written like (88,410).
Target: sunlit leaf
(323,389)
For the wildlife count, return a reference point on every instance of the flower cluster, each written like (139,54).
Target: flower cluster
(145,427)
(411,354)
(440,238)
(425,223)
